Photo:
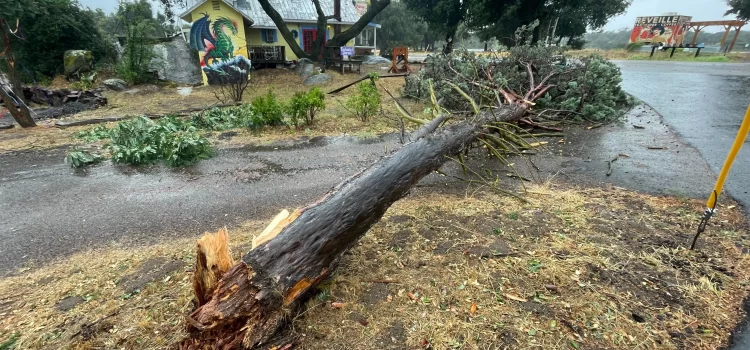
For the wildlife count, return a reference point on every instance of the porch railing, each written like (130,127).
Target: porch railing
(266,54)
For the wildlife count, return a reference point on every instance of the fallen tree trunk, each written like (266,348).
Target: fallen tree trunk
(255,298)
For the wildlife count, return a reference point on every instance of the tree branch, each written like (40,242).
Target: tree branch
(342,38)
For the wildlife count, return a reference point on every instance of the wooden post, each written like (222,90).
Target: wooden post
(695,35)
(727,28)
(736,34)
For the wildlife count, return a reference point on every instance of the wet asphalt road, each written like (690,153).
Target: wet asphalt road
(704,103)
(48,210)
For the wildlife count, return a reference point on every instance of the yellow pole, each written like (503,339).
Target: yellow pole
(741,135)
(711,204)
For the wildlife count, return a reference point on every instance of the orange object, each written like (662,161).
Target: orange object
(400,52)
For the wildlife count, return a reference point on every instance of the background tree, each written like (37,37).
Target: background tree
(55,27)
(136,18)
(741,8)
(400,27)
(500,18)
(443,16)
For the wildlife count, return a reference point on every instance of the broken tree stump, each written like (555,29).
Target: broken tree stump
(256,297)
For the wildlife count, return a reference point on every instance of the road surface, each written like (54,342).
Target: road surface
(704,103)
(49,210)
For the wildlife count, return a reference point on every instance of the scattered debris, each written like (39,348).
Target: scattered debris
(657,147)
(638,126)
(609,162)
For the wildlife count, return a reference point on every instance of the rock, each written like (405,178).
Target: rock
(77,62)
(115,84)
(304,68)
(174,61)
(317,79)
(373,59)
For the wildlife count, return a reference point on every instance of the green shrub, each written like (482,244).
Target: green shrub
(143,141)
(79,158)
(268,109)
(366,102)
(97,133)
(304,105)
(216,119)
(184,148)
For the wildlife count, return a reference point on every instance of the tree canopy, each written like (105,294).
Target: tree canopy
(740,8)
(443,16)
(47,30)
(400,27)
(500,18)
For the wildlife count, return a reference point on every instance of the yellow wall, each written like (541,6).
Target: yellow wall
(254,37)
(240,46)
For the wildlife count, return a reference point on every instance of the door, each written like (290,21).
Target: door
(308,38)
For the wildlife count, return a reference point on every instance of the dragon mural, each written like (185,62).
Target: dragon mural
(214,41)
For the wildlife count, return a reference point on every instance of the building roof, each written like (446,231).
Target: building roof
(298,11)
(292,11)
(187,15)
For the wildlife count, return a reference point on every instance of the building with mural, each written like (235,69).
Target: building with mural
(228,33)
(667,30)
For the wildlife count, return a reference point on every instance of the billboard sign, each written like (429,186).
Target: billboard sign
(668,30)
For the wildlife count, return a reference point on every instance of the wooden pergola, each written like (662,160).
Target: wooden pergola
(728,25)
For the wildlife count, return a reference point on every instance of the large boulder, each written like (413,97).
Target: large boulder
(77,62)
(115,84)
(317,79)
(304,68)
(372,59)
(174,61)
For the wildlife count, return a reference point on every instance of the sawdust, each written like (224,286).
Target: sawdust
(576,268)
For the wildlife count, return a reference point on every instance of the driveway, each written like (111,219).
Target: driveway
(704,103)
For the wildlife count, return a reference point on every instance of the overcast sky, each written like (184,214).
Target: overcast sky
(700,10)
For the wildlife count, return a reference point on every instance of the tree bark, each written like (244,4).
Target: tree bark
(256,297)
(20,113)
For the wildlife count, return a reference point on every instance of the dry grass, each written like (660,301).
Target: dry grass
(584,259)
(679,55)
(161,100)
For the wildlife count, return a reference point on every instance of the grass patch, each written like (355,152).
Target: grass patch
(579,268)
(679,55)
(334,120)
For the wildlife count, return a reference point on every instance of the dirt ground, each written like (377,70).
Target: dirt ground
(448,268)
(153,99)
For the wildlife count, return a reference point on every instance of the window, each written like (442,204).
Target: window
(268,35)
(215,4)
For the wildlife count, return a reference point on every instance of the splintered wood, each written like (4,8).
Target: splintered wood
(212,261)
(277,224)
(214,258)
